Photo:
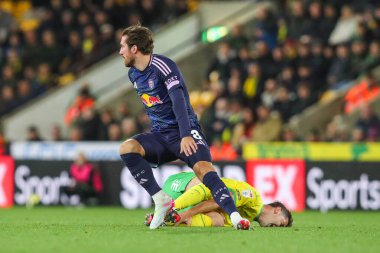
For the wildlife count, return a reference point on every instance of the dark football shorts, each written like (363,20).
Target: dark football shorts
(163,147)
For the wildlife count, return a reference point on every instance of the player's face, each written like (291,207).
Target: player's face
(274,219)
(126,52)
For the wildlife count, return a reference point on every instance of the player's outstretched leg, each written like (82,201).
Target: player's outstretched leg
(205,172)
(131,153)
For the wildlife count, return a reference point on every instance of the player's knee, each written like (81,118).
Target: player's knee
(202,168)
(217,219)
(131,146)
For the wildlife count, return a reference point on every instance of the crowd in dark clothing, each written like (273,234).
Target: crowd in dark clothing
(65,37)
(283,62)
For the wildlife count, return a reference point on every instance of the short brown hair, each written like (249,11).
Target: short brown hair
(287,214)
(140,36)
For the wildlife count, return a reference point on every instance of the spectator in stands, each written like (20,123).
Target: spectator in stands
(65,35)
(106,119)
(56,133)
(304,52)
(123,111)
(143,122)
(283,103)
(86,181)
(297,23)
(313,136)
(128,128)
(252,83)
(7,23)
(222,62)
(372,58)
(45,76)
(33,134)
(243,131)
(233,91)
(73,52)
(219,121)
(357,135)
(328,22)
(319,66)
(339,67)
(270,93)
(7,99)
(89,122)
(314,24)
(75,133)
(279,62)
(345,27)
(14,60)
(266,27)
(303,99)
(288,79)
(222,151)
(358,54)
(289,135)
(237,39)
(114,132)
(84,100)
(8,77)
(363,92)
(24,91)
(268,125)
(368,123)
(51,51)
(265,60)
(32,48)
(336,130)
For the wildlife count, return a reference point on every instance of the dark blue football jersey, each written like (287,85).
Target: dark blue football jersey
(153,86)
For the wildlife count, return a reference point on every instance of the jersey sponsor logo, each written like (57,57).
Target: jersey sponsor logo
(150,101)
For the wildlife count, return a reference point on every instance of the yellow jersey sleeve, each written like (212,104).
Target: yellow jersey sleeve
(247,199)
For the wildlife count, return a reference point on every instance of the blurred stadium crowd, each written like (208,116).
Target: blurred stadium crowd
(262,74)
(46,43)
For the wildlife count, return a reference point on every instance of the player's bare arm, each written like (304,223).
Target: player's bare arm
(203,207)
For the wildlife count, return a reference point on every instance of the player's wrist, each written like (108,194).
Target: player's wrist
(185,134)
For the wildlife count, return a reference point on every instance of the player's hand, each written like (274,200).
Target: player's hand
(188,146)
(185,217)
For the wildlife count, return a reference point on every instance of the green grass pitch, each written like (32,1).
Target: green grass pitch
(59,229)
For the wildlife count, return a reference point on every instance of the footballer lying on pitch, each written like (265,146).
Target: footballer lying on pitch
(195,207)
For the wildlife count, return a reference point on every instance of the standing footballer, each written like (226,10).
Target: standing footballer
(175,131)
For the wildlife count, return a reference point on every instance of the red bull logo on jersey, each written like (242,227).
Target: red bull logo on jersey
(150,100)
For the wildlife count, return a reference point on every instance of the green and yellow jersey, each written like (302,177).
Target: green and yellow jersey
(247,199)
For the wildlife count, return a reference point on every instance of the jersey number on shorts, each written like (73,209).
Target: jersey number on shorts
(196,135)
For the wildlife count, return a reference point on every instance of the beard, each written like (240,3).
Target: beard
(129,63)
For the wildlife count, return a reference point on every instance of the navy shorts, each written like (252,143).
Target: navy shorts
(163,147)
